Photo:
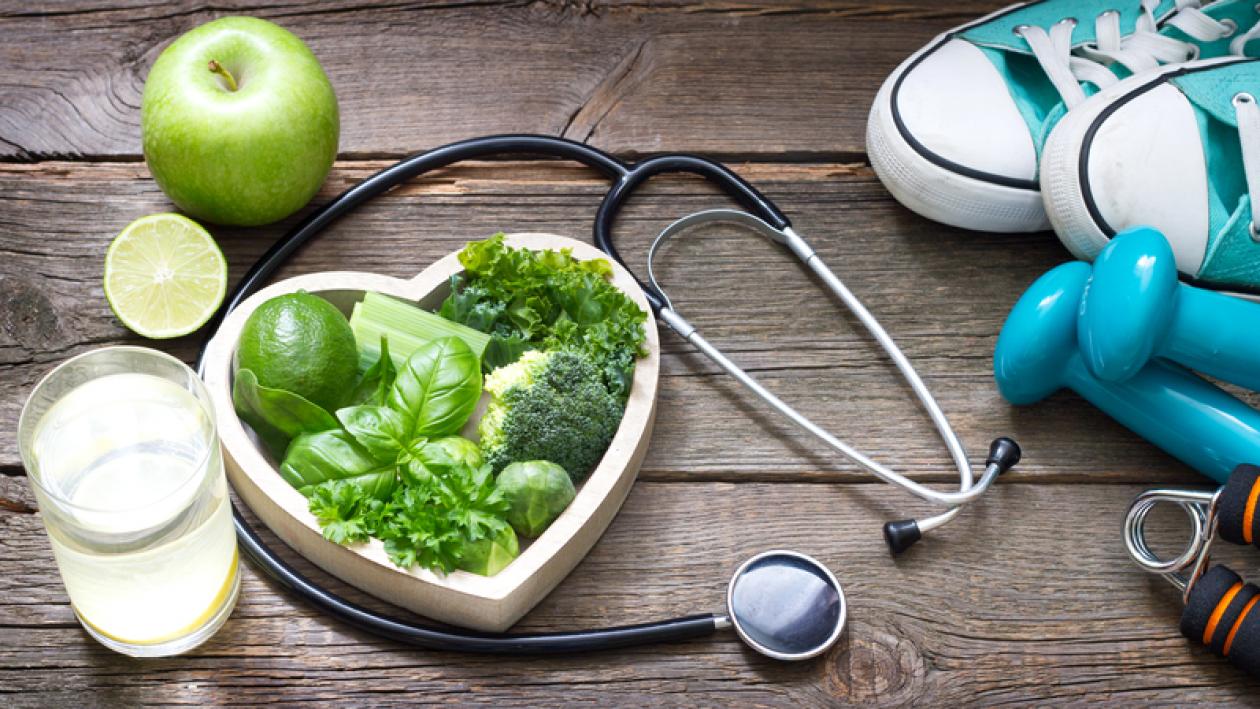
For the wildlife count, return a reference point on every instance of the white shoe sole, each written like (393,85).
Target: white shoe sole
(1066,203)
(935,191)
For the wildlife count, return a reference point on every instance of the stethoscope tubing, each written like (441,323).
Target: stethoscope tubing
(419,635)
(435,638)
(408,168)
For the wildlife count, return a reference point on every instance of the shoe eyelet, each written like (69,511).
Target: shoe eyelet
(1195,51)
(1067,21)
(1231,28)
(1242,97)
(1018,30)
(1105,13)
(1255,234)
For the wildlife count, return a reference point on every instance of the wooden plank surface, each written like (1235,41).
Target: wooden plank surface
(943,293)
(1027,599)
(728,77)
(1089,627)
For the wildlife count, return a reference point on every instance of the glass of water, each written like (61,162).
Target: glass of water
(121,450)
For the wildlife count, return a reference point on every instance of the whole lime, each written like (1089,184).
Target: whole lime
(301,343)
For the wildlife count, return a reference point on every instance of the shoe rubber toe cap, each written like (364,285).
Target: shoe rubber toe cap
(1145,165)
(955,104)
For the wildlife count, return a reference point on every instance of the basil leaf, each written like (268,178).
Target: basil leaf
(380,430)
(428,457)
(314,458)
(437,388)
(373,386)
(276,415)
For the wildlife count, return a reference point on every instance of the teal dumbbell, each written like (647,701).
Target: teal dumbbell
(1037,354)
(1134,309)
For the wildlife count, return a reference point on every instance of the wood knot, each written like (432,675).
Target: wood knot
(28,319)
(873,665)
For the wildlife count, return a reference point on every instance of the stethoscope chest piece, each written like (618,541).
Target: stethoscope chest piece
(786,605)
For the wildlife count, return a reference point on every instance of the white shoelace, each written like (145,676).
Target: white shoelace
(1248,114)
(1144,49)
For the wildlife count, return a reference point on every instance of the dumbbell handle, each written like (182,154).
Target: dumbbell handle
(1216,334)
(1199,423)
(1223,614)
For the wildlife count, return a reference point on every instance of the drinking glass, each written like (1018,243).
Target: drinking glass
(121,450)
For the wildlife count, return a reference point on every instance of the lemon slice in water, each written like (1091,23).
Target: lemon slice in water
(164,276)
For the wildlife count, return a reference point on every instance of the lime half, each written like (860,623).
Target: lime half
(164,276)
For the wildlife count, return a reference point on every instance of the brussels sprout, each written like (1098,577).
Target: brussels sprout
(488,556)
(538,492)
(438,455)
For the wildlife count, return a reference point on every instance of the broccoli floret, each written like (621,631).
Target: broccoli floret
(549,406)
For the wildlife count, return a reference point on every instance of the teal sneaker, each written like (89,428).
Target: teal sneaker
(956,132)
(1179,151)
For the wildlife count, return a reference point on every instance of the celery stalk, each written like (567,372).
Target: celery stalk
(406,326)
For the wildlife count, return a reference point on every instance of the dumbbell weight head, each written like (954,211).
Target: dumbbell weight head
(1038,342)
(1128,304)
(1037,353)
(1134,309)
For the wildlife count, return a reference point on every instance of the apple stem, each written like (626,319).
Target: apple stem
(222,71)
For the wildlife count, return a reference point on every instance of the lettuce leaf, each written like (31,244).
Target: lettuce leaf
(547,300)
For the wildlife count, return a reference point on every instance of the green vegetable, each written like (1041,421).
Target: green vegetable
(549,406)
(344,511)
(407,326)
(374,385)
(489,556)
(433,523)
(547,300)
(274,414)
(446,508)
(538,491)
(380,430)
(437,388)
(438,456)
(301,343)
(433,395)
(313,458)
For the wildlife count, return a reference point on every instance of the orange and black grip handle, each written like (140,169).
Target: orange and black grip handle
(1237,511)
(1223,613)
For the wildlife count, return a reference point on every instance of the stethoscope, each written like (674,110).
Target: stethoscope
(783,604)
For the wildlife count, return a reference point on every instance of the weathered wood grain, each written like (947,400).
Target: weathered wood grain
(733,77)
(943,293)
(1028,599)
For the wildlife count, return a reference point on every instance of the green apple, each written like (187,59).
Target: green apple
(239,121)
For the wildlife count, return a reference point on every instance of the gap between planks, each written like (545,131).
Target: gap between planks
(348,159)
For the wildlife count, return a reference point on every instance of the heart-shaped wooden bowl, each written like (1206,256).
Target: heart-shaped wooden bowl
(491,603)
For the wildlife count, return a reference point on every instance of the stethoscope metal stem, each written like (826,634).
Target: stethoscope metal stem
(952,499)
(969,489)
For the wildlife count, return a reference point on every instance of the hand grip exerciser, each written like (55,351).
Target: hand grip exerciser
(1222,612)
(1037,354)
(1135,309)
